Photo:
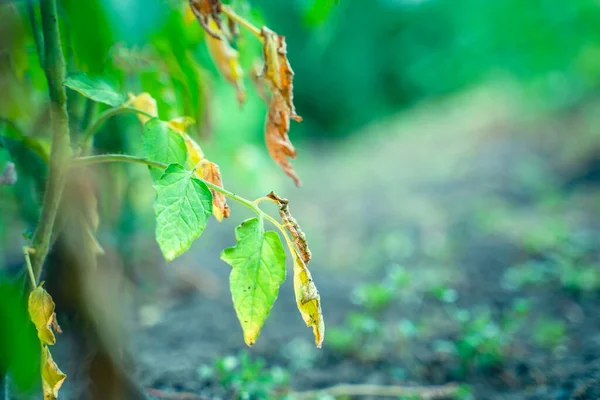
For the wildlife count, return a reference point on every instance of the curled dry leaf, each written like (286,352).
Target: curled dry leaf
(205,11)
(276,136)
(277,71)
(307,295)
(292,226)
(226,58)
(278,75)
(52,376)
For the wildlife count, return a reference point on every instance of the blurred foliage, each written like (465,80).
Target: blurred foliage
(370,60)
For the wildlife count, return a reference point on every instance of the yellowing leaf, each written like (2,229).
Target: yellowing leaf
(52,376)
(276,136)
(143,102)
(226,58)
(41,311)
(308,299)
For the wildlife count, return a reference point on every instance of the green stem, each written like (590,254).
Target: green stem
(54,68)
(27,253)
(253,205)
(88,114)
(228,11)
(91,130)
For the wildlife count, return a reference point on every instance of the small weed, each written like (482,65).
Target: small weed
(247,378)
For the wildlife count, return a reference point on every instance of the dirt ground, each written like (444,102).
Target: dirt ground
(447,192)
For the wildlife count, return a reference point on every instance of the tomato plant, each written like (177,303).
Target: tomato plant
(189,187)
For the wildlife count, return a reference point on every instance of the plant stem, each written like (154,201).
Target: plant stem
(37,34)
(88,134)
(253,205)
(109,158)
(228,11)
(27,253)
(88,114)
(54,68)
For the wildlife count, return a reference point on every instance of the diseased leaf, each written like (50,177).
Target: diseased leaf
(290,223)
(277,72)
(163,144)
(41,311)
(52,376)
(183,205)
(276,136)
(205,11)
(144,102)
(226,58)
(211,173)
(307,295)
(278,75)
(95,89)
(258,269)
(308,299)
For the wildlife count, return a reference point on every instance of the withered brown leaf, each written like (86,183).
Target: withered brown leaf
(277,70)
(205,10)
(211,173)
(278,75)
(276,136)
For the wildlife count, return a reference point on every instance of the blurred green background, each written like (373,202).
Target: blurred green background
(450,153)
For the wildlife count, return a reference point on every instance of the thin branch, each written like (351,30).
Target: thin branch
(421,392)
(91,130)
(27,251)
(54,68)
(228,11)
(109,158)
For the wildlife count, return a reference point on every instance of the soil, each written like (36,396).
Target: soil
(413,192)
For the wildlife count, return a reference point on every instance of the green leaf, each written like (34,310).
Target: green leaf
(183,205)
(95,89)
(258,261)
(163,144)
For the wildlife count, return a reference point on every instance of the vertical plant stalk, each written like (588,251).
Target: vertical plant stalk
(55,70)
